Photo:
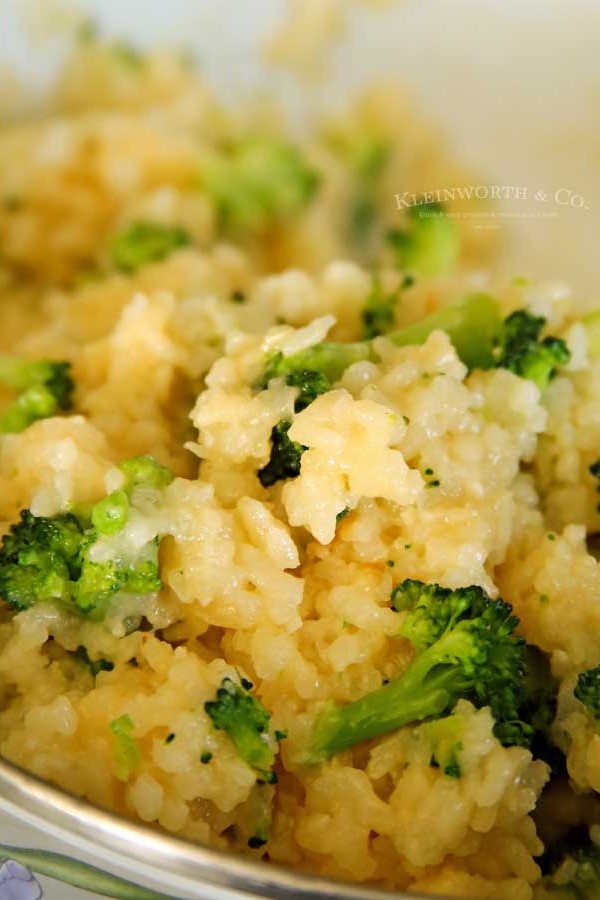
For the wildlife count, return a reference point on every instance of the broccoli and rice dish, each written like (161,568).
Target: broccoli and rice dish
(299,506)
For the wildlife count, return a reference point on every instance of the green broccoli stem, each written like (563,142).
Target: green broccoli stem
(474,326)
(428,688)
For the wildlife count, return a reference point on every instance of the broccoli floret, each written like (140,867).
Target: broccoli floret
(39,558)
(465,648)
(429,244)
(284,461)
(573,871)
(379,312)
(44,388)
(521,351)
(72,559)
(48,559)
(146,242)
(587,690)
(127,752)
(245,721)
(256,183)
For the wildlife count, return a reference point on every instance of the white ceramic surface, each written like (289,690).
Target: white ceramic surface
(515,86)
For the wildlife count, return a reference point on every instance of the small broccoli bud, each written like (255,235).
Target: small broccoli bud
(472,324)
(433,609)
(521,351)
(44,387)
(429,244)
(587,690)
(256,183)
(245,721)
(128,755)
(285,459)
(146,242)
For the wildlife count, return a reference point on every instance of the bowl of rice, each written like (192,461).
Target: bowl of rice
(299,466)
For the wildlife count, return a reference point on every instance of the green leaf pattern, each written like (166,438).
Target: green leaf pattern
(77,874)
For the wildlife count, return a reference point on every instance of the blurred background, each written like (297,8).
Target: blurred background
(514,86)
